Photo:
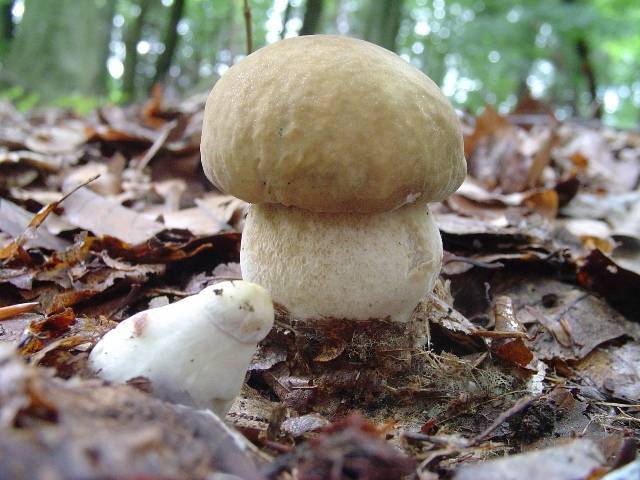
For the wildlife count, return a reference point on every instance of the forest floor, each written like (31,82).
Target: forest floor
(531,368)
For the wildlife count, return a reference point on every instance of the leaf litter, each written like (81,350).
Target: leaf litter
(524,362)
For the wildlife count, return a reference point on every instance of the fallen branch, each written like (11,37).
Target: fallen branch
(13,310)
(519,406)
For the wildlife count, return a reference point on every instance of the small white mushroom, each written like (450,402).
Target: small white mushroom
(195,351)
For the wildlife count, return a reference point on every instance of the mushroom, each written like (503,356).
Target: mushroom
(339,145)
(195,351)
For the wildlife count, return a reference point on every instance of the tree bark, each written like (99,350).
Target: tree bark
(170,41)
(312,15)
(134,33)
(109,11)
(58,48)
(285,19)
(586,66)
(6,22)
(583,54)
(383,23)
(391,24)
(6,26)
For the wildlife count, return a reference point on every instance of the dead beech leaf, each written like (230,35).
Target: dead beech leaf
(64,343)
(10,250)
(197,220)
(494,154)
(124,429)
(350,447)
(56,139)
(615,174)
(615,370)
(578,322)
(15,220)
(298,426)
(514,351)
(580,161)
(488,123)
(619,286)
(109,181)
(120,128)
(104,216)
(553,325)
(577,459)
(330,352)
(545,203)
(453,323)
(48,163)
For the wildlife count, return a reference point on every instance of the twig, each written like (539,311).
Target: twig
(13,310)
(613,404)
(471,261)
(8,251)
(157,145)
(476,405)
(519,406)
(247,24)
(499,334)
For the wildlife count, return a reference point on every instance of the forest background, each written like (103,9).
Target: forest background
(581,56)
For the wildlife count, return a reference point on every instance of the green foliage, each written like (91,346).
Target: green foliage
(20,98)
(479,51)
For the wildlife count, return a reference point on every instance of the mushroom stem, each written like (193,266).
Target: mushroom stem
(195,351)
(345,265)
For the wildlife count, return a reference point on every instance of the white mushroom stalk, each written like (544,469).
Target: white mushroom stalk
(357,266)
(195,351)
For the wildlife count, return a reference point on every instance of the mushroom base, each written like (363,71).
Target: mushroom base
(323,365)
(343,266)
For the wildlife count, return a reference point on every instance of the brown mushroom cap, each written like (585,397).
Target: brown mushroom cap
(331,124)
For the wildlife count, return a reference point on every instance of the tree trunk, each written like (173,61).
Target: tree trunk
(383,23)
(285,19)
(58,48)
(6,26)
(109,11)
(6,22)
(170,41)
(374,12)
(586,66)
(582,50)
(312,15)
(391,24)
(133,35)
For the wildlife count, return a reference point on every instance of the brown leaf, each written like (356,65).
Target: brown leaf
(615,370)
(16,221)
(330,352)
(297,426)
(56,139)
(515,351)
(350,447)
(114,429)
(619,286)
(104,216)
(9,251)
(568,462)
(577,321)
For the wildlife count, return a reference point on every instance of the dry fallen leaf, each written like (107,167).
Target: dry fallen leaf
(578,459)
